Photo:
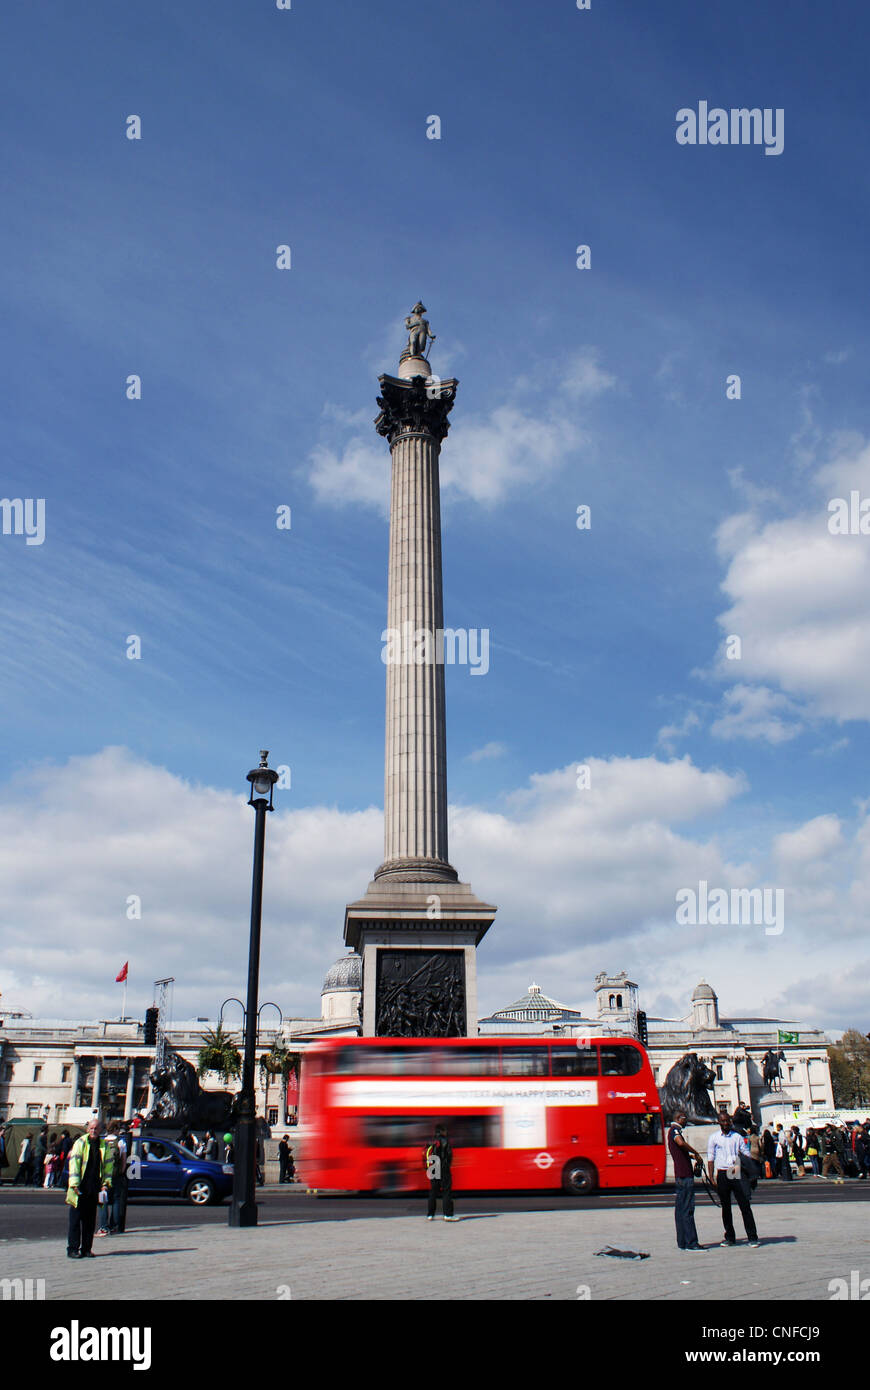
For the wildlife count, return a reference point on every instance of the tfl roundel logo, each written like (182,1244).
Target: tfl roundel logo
(544,1160)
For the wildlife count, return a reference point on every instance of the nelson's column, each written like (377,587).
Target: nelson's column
(417,928)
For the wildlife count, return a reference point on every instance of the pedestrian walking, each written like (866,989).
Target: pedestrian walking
(862,1150)
(66,1144)
(120,1182)
(25,1162)
(283,1157)
(830,1157)
(814,1152)
(90,1176)
(50,1161)
(105,1221)
(797,1148)
(211,1147)
(784,1154)
(683,1156)
(437,1160)
(40,1150)
(768,1150)
(723,1163)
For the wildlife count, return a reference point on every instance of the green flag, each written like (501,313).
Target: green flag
(787,1037)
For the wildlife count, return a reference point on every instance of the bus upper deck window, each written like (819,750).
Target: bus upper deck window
(525,1061)
(466,1061)
(620,1061)
(574,1061)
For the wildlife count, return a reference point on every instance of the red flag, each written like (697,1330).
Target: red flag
(292,1090)
(119,979)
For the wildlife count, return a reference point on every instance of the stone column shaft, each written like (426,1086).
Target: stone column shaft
(415,779)
(415,763)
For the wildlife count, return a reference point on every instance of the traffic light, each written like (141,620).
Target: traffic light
(642,1032)
(151,1017)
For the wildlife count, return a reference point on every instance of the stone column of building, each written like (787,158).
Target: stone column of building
(418,927)
(76,1076)
(806,1087)
(95,1089)
(128,1098)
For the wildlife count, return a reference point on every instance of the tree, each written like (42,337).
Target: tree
(850,1070)
(219,1053)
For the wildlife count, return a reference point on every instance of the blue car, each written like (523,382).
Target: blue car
(162,1168)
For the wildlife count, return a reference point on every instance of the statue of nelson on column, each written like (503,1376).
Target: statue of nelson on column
(418,331)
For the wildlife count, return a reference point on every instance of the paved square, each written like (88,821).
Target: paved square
(511,1255)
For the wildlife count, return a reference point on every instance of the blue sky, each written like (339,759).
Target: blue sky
(607,387)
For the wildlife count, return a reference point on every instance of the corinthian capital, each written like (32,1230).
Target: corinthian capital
(414,406)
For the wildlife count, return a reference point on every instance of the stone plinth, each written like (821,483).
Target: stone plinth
(410,366)
(421,920)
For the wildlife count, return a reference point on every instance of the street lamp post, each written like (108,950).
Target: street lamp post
(243,1209)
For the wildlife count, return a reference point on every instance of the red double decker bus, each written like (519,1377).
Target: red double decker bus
(521,1113)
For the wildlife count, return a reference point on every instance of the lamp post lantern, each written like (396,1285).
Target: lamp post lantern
(243,1208)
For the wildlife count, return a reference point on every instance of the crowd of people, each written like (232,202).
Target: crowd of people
(43,1159)
(841,1148)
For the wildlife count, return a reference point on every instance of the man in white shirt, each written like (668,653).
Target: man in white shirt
(723,1165)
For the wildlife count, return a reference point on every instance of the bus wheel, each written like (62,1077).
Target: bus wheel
(579,1178)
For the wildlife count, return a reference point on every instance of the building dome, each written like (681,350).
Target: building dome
(346,974)
(704,991)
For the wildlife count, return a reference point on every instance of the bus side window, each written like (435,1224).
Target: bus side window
(634,1129)
(574,1061)
(620,1061)
(466,1061)
(525,1061)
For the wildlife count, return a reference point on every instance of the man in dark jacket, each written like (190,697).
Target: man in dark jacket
(830,1157)
(283,1156)
(438,1159)
(40,1149)
(65,1144)
(862,1150)
(768,1151)
(742,1119)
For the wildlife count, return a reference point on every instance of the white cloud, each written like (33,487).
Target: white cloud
(755,712)
(800,602)
(358,473)
(584,880)
(583,378)
(809,843)
(489,750)
(669,733)
(490,456)
(487,456)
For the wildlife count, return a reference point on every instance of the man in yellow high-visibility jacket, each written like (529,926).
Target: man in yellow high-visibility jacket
(90,1174)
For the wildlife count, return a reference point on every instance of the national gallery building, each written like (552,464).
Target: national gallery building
(49,1068)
